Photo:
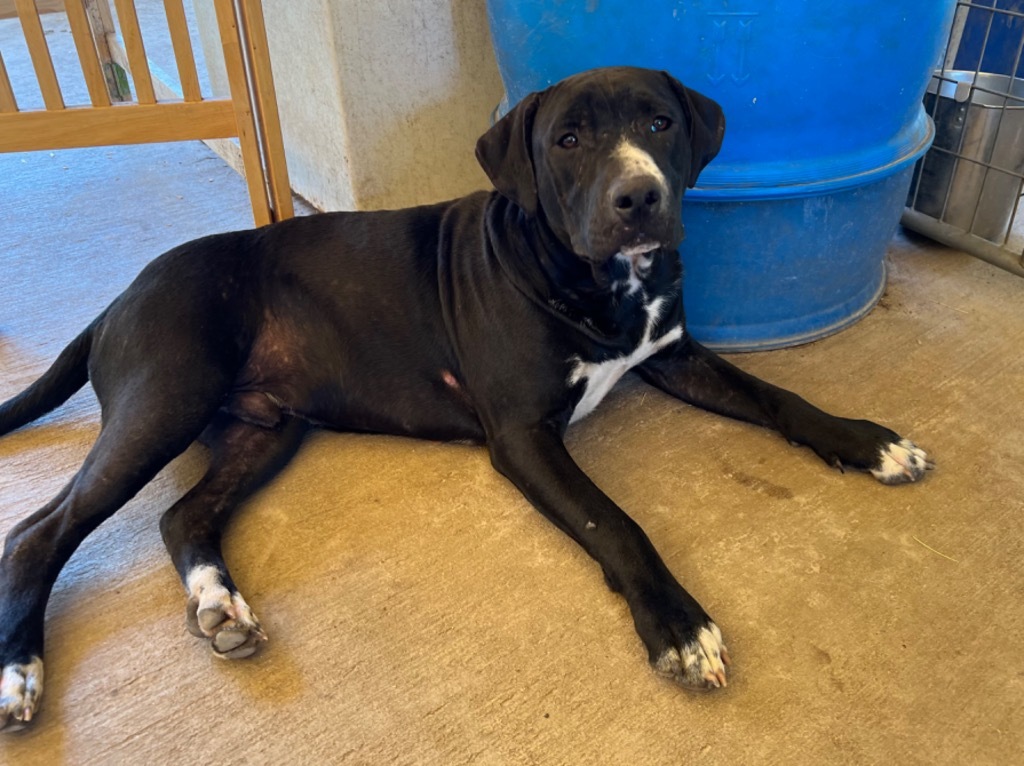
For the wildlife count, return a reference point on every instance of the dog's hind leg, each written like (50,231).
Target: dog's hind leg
(244,456)
(124,458)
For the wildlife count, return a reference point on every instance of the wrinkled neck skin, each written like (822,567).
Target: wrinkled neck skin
(545,269)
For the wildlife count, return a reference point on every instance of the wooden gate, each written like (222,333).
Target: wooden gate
(155,114)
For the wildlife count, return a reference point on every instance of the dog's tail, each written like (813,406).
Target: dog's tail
(66,375)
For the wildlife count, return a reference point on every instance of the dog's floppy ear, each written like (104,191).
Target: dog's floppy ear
(505,154)
(707,126)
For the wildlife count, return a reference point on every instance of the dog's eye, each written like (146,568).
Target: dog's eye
(569,141)
(660,123)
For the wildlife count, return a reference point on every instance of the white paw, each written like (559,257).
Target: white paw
(700,664)
(221,616)
(901,462)
(21,686)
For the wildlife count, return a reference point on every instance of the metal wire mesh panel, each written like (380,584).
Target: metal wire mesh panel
(966,190)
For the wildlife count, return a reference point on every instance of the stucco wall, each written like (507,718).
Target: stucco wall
(381,100)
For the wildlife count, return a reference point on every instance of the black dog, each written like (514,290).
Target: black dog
(498,318)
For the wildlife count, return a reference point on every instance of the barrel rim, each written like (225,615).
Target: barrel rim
(728,183)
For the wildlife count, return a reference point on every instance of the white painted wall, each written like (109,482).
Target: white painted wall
(381,100)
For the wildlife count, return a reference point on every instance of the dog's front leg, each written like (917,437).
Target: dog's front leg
(681,640)
(696,375)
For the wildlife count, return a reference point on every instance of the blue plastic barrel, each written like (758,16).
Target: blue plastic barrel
(788,227)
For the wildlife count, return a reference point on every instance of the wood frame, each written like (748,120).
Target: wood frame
(158,115)
(7,10)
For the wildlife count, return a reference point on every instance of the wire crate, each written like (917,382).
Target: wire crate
(966,191)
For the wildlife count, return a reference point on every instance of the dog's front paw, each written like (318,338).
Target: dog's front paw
(698,664)
(901,462)
(682,642)
(21,686)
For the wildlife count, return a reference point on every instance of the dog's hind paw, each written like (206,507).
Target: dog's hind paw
(21,686)
(222,616)
(901,462)
(699,664)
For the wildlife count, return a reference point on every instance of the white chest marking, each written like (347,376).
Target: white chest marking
(638,261)
(600,377)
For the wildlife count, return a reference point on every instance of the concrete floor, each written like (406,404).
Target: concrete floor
(420,612)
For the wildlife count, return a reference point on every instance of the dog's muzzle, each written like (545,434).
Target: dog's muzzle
(637,216)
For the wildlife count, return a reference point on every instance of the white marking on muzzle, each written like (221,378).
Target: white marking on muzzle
(636,162)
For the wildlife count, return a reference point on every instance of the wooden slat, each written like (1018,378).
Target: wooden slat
(7,100)
(251,113)
(225,148)
(103,32)
(138,64)
(87,56)
(8,11)
(266,106)
(40,53)
(246,125)
(182,44)
(118,124)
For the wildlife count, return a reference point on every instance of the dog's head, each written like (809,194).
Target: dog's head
(604,158)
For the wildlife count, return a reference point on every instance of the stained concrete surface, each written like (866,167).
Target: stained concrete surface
(421,612)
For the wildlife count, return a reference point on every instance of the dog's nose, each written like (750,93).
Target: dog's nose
(633,197)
